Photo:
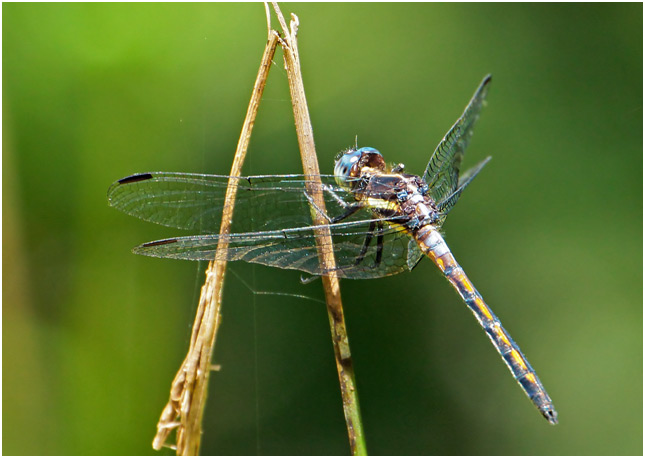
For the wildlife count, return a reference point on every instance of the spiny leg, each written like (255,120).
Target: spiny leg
(361,255)
(350,209)
(379,244)
(366,243)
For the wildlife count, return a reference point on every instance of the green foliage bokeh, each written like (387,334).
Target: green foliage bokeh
(550,232)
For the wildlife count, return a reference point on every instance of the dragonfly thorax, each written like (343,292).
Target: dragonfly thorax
(413,201)
(389,194)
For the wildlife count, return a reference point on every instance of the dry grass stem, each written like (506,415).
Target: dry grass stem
(185,408)
(184,411)
(325,248)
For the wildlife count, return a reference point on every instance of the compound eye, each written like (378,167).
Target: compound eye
(344,164)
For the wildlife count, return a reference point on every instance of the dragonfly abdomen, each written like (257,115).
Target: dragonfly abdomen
(433,245)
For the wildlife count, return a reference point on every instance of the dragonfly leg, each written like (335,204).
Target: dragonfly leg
(336,197)
(379,243)
(316,207)
(350,209)
(366,244)
(375,227)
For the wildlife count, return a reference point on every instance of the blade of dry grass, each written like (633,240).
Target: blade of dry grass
(331,284)
(185,409)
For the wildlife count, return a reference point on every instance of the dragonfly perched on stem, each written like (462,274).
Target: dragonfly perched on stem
(383,221)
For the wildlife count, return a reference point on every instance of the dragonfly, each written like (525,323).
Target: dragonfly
(382,221)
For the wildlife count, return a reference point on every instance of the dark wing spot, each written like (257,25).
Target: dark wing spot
(135,178)
(159,242)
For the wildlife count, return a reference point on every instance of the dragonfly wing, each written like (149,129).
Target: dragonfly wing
(195,201)
(297,249)
(389,255)
(445,205)
(414,254)
(442,172)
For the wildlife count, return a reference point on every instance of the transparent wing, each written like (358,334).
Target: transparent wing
(390,251)
(442,172)
(445,205)
(272,223)
(195,201)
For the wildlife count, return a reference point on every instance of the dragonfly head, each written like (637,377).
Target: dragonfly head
(350,164)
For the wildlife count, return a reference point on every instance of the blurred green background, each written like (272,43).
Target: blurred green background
(550,232)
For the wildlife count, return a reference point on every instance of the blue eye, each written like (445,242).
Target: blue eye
(344,165)
(348,159)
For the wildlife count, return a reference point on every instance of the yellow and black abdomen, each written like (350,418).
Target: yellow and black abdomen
(433,245)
